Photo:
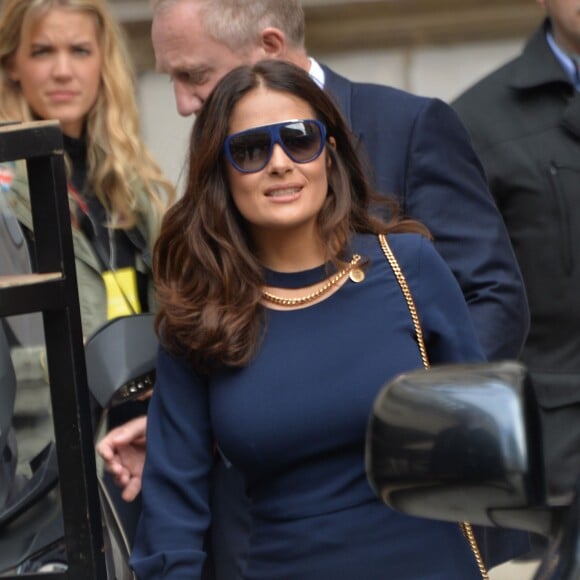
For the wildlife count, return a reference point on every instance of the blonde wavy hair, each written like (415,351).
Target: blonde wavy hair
(118,161)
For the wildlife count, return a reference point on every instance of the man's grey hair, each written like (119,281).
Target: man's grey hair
(238,23)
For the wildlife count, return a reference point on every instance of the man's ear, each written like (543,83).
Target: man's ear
(273,43)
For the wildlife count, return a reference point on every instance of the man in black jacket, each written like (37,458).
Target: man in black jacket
(524,121)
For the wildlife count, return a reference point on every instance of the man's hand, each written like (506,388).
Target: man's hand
(123,452)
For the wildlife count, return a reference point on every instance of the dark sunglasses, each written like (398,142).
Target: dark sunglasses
(301,139)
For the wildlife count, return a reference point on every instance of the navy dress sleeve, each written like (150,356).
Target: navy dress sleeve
(445,321)
(176,511)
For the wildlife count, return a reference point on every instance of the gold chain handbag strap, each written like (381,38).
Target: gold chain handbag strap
(464,526)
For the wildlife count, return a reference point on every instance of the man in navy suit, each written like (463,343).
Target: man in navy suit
(416,149)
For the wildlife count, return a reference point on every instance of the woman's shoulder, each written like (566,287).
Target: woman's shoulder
(405,246)
(415,254)
(419,257)
(408,243)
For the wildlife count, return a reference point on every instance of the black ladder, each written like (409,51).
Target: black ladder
(52,290)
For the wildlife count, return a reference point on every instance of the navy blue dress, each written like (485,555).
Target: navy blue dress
(293,422)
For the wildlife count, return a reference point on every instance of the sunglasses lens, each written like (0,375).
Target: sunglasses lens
(250,151)
(302,140)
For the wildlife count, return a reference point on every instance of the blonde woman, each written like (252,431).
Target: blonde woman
(67,60)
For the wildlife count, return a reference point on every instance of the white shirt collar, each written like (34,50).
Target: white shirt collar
(316,73)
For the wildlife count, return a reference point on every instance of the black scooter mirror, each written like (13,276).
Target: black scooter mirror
(121,358)
(460,443)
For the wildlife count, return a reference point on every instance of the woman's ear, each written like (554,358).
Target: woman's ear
(330,142)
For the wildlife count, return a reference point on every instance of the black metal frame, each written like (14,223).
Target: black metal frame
(41,145)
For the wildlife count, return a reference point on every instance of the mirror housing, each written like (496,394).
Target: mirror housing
(460,443)
(121,357)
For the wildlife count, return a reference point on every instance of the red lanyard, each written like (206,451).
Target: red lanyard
(79,200)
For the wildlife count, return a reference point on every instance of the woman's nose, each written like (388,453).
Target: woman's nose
(279,161)
(62,66)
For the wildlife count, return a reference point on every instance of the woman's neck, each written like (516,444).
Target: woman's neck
(77,152)
(284,253)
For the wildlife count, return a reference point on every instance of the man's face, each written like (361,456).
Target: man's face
(194,61)
(565,17)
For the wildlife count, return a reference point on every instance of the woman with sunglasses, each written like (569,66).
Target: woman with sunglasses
(280,321)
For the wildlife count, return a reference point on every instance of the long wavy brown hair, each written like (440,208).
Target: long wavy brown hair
(208,278)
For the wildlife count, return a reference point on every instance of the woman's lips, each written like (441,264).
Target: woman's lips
(283,191)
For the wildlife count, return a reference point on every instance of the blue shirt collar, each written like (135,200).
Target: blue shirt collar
(566,61)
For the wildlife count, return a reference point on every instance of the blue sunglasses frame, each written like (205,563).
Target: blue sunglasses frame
(276,137)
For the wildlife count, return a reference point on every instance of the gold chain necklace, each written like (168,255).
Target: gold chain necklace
(356,275)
